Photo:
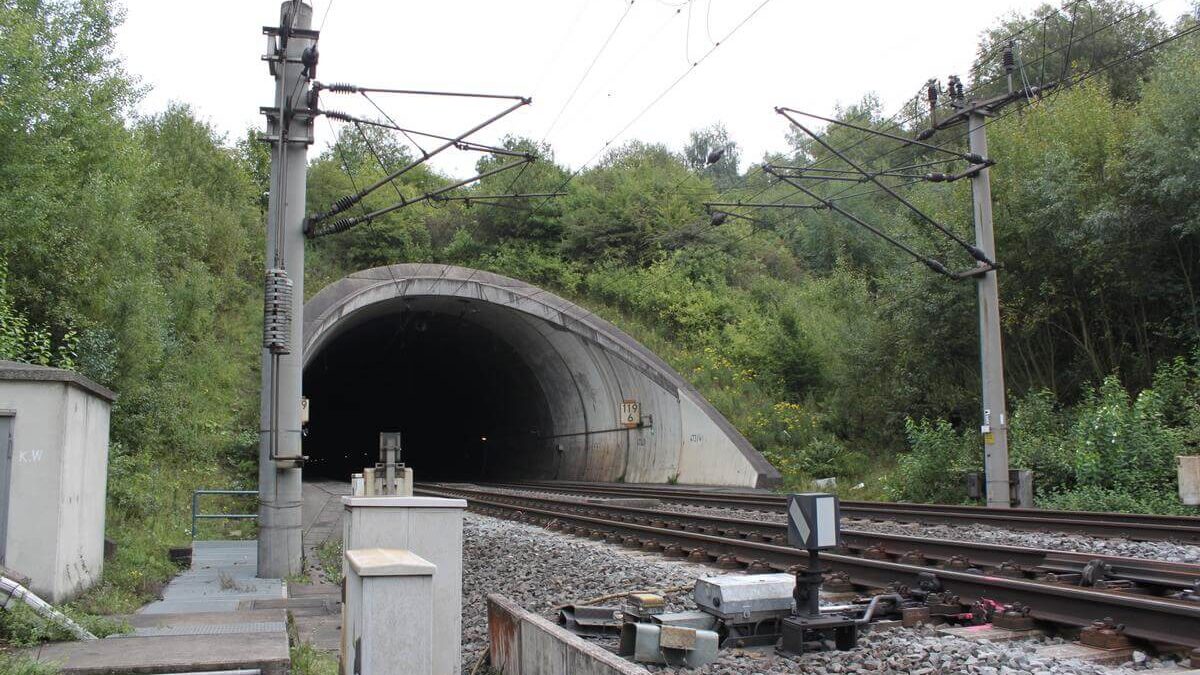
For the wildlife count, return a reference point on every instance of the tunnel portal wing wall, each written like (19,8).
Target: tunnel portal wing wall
(584,365)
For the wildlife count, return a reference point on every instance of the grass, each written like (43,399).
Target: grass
(306,659)
(21,626)
(329,557)
(149,511)
(11,664)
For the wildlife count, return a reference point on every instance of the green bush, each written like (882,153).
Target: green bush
(1110,452)
(1092,498)
(935,467)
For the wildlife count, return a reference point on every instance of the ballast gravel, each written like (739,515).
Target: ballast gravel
(540,570)
(985,534)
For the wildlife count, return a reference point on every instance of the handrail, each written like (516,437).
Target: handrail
(196,515)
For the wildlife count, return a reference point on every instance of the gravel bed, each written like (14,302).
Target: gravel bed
(984,534)
(540,569)
(917,651)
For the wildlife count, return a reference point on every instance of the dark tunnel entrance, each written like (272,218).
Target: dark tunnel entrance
(488,377)
(464,400)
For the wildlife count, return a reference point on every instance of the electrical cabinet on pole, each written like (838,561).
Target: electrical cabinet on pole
(291,55)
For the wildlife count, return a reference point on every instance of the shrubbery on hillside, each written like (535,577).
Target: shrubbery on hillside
(1109,452)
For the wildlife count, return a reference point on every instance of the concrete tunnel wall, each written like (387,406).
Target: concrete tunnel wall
(576,369)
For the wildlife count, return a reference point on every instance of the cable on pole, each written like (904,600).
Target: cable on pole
(970,248)
(346,88)
(344,203)
(343,224)
(929,262)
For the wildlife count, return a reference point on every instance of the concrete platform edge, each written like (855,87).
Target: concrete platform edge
(523,643)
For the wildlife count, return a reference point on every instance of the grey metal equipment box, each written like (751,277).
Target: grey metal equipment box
(745,596)
(814,521)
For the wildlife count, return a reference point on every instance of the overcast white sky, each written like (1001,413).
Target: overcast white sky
(807,55)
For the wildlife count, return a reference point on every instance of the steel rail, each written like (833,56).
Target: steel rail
(1010,560)
(1157,620)
(1104,524)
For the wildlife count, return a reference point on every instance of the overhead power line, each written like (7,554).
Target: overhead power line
(588,71)
(573,174)
(343,224)
(344,203)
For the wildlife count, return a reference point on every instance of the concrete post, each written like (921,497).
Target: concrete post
(431,528)
(290,128)
(386,625)
(994,427)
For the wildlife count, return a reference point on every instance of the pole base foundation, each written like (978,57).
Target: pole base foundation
(808,634)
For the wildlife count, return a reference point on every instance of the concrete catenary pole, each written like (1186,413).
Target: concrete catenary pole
(994,427)
(280,456)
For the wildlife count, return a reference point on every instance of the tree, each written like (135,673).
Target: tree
(627,206)
(702,144)
(1054,44)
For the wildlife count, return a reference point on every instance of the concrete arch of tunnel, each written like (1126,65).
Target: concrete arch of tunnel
(490,377)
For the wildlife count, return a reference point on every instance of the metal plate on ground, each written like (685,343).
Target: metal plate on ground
(675,637)
(206,629)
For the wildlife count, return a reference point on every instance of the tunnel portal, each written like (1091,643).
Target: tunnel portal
(489,378)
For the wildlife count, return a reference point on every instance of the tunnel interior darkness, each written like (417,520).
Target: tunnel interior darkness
(463,398)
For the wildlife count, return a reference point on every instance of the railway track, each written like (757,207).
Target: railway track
(1148,597)
(1138,527)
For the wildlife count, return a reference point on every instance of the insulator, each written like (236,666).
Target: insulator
(277,312)
(309,57)
(342,88)
(931,93)
(1010,62)
(337,115)
(979,255)
(937,177)
(340,225)
(937,266)
(954,85)
(344,203)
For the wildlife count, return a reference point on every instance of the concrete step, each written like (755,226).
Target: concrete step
(204,623)
(316,612)
(179,643)
(266,651)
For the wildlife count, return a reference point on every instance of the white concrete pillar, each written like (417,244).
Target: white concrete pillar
(431,528)
(389,601)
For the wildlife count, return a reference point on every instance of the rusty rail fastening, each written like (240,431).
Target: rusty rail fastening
(1156,619)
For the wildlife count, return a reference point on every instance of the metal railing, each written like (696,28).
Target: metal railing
(196,515)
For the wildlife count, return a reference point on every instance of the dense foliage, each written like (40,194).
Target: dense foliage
(833,352)
(130,250)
